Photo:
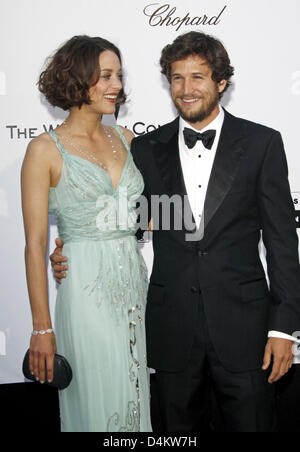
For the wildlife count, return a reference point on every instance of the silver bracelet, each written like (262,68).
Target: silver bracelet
(35,333)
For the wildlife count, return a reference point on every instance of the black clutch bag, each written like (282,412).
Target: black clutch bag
(62,372)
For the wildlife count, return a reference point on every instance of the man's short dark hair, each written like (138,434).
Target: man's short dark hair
(201,44)
(73,69)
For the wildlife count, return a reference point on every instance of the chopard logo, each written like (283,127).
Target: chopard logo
(166,15)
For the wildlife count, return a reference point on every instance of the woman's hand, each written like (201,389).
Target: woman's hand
(41,356)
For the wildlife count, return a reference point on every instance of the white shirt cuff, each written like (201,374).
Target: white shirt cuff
(284,336)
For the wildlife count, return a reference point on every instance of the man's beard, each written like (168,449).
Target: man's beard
(198,115)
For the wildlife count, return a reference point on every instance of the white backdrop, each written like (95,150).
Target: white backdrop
(262,37)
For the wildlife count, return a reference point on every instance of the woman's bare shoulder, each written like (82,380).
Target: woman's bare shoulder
(41,147)
(129,135)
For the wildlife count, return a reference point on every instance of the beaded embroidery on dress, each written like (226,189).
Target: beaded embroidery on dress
(100,306)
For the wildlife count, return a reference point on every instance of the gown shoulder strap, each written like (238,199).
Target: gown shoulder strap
(59,146)
(122,136)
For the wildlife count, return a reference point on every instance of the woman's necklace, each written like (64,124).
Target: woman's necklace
(115,151)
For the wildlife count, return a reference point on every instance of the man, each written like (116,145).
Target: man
(211,319)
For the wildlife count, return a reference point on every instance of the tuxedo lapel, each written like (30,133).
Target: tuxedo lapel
(225,166)
(168,162)
(166,154)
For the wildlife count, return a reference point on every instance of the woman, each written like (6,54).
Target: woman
(79,172)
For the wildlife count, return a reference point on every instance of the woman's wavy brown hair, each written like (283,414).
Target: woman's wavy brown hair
(201,44)
(73,69)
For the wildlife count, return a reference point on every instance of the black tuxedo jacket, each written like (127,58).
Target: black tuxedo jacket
(248,192)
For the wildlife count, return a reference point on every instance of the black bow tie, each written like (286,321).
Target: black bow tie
(191,137)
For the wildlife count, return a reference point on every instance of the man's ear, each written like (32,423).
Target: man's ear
(222,85)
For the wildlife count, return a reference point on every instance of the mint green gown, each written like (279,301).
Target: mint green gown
(100,306)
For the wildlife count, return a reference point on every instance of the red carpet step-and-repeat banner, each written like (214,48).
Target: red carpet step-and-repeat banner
(262,37)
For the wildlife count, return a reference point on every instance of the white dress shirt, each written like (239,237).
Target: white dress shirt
(196,166)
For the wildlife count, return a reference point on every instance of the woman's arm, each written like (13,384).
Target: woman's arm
(35,182)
